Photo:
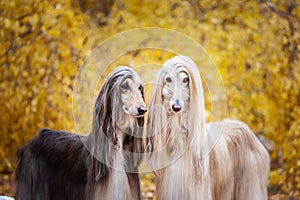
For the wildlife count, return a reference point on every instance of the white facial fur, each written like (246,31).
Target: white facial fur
(176,90)
(131,95)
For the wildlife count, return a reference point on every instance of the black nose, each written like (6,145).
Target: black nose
(142,110)
(176,107)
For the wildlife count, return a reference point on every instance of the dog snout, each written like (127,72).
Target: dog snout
(142,110)
(176,107)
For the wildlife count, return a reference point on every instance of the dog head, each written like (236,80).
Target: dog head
(122,93)
(181,87)
(132,95)
(175,88)
(177,92)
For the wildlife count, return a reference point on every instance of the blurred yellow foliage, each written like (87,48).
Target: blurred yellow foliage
(255,45)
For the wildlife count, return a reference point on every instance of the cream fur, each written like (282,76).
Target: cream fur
(237,167)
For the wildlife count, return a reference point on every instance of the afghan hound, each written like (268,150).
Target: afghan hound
(237,165)
(58,165)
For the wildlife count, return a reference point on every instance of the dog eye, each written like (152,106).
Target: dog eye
(185,80)
(168,79)
(141,88)
(125,86)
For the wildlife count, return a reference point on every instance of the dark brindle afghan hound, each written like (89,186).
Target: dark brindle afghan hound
(58,165)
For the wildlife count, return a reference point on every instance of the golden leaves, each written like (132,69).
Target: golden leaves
(38,57)
(43,43)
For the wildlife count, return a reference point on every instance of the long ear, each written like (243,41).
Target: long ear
(95,139)
(102,137)
(104,108)
(196,119)
(156,116)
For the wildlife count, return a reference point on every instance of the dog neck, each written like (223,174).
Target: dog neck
(126,125)
(177,132)
(117,184)
(106,144)
(174,181)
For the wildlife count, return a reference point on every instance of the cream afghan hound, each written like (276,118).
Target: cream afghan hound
(237,165)
(58,165)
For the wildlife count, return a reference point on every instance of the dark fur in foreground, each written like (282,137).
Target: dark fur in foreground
(56,165)
(52,166)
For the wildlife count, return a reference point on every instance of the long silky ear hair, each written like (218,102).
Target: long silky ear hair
(196,119)
(107,112)
(158,112)
(157,115)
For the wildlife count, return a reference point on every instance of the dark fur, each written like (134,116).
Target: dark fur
(52,166)
(56,165)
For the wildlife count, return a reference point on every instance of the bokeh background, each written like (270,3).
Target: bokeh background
(255,45)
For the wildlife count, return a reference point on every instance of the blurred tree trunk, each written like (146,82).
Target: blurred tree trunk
(287,13)
(94,7)
(97,9)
